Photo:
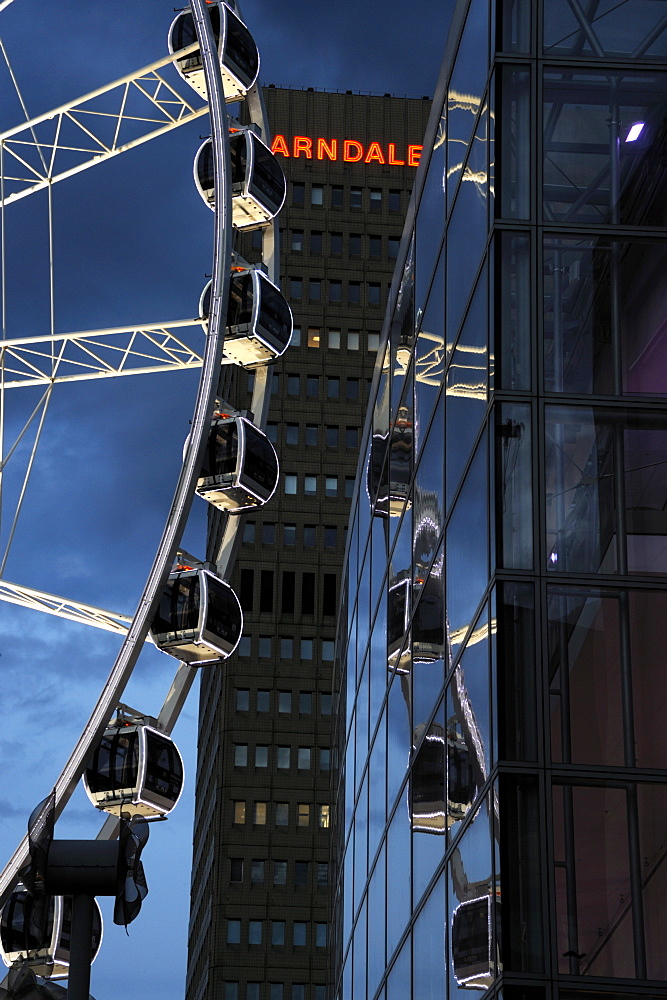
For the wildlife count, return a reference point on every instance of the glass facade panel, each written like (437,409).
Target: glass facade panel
(466,549)
(636,29)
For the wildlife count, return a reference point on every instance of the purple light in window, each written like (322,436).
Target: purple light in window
(635,131)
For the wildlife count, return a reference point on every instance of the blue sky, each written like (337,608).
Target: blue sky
(132,245)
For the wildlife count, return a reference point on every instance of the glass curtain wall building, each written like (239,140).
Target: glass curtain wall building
(501,767)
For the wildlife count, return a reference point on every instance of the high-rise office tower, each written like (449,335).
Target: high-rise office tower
(500,813)
(261,873)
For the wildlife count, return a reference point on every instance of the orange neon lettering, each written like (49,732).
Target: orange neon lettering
(279,145)
(302,144)
(374,154)
(393,162)
(352,151)
(414,154)
(327,148)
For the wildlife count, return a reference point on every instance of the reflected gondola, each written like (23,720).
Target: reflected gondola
(424,641)
(461,785)
(398,614)
(472,943)
(199,618)
(259,320)
(240,468)
(238,55)
(427,782)
(258,183)
(38,930)
(135,771)
(389,471)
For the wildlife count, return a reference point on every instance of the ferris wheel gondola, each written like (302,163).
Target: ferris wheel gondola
(238,55)
(240,468)
(199,618)
(258,182)
(259,320)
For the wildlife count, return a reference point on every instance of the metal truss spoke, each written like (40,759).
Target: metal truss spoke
(90,129)
(75,611)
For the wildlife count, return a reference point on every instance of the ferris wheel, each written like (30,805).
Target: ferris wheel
(185,605)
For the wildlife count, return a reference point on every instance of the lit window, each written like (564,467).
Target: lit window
(298,192)
(336,196)
(320,935)
(242,699)
(331,486)
(285,702)
(254,932)
(236,870)
(334,340)
(332,437)
(299,935)
(376,200)
(373,293)
(312,435)
(240,754)
(239,811)
(290,484)
(282,758)
(314,289)
(314,336)
(233,932)
(303,814)
(285,648)
(353,340)
(374,246)
(325,703)
(260,813)
(261,756)
(303,760)
(325,759)
(295,288)
(355,244)
(316,242)
(355,197)
(300,873)
(282,813)
(291,434)
(336,244)
(297,240)
(306,649)
(323,817)
(249,533)
(256,871)
(289,534)
(373,341)
(309,536)
(335,291)
(280,873)
(316,194)
(327,650)
(278,932)
(293,385)
(310,485)
(322,874)
(263,698)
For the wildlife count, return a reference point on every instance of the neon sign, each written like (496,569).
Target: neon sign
(348,150)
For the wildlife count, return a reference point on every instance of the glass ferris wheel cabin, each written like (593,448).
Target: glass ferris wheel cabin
(135,771)
(259,320)
(199,618)
(238,55)
(240,468)
(38,931)
(258,182)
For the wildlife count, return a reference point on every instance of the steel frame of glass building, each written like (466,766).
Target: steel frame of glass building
(501,782)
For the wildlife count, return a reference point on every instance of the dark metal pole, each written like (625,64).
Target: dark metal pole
(81,947)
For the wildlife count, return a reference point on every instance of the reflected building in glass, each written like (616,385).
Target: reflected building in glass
(501,774)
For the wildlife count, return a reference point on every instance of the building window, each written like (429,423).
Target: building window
(303,759)
(323,817)
(336,244)
(373,293)
(282,758)
(260,813)
(299,935)
(309,536)
(320,935)
(316,194)
(314,289)
(308,594)
(266,591)
(280,873)
(331,486)
(322,874)
(349,487)
(246,595)
(312,435)
(330,533)
(327,650)
(249,532)
(268,533)
(240,754)
(293,385)
(263,698)
(376,200)
(333,387)
(297,240)
(314,335)
(332,437)
(231,991)
(278,932)
(374,246)
(354,292)
(252,991)
(257,871)
(325,703)
(254,932)
(394,201)
(242,699)
(316,241)
(312,385)
(303,814)
(243,648)
(298,193)
(310,485)
(289,534)
(233,932)
(282,813)
(300,873)
(250,382)
(284,702)
(272,435)
(320,993)
(329,594)
(325,759)
(291,433)
(239,811)
(295,340)
(299,991)
(290,488)
(336,195)
(351,437)
(355,244)
(355,197)
(261,756)
(352,388)
(373,342)
(335,290)
(295,288)
(275,991)
(353,341)
(236,870)
(306,649)
(286,648)
(334,340)
(392,248)
(287,592)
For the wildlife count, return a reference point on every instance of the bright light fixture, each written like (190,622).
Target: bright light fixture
(635,131)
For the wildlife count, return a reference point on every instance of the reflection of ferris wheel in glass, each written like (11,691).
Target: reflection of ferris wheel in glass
(131,766)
